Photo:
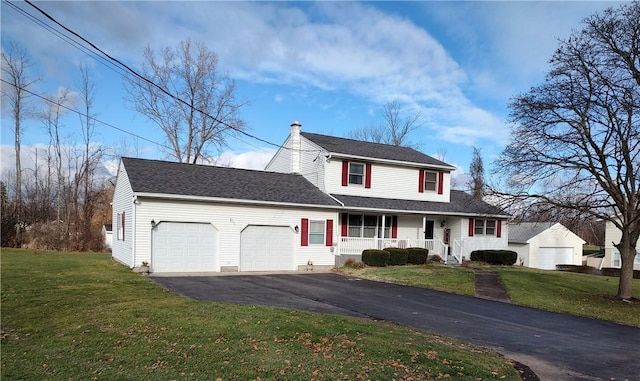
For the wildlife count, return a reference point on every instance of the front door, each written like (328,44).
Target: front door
(428,230)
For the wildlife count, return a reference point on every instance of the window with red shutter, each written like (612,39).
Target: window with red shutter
(367,176)
(329,233)
(440,182)
(471,227)
(345,173)
(304,232)
(421,181)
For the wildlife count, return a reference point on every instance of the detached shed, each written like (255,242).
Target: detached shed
(543,245)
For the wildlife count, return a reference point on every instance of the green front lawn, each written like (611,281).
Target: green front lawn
(82,316)
(572,293)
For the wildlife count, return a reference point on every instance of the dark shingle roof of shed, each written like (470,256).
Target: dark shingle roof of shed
(461,203)
(162,177)
(374,150)
(524,231)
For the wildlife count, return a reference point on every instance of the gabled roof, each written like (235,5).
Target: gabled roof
(180,179)
(373,150)
(524,231)
(461,203)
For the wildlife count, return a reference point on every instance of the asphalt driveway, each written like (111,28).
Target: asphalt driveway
(555,346)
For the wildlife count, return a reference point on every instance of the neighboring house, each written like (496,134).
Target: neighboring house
(544,245)
(321,200)
(611,254)
(107,234)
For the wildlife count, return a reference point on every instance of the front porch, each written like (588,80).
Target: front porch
(354,246)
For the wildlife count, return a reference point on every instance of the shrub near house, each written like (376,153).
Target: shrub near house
(495,257)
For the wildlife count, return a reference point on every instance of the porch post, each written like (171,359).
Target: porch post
(383,225)
(424,228)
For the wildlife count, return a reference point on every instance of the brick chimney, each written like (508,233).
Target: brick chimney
(295,147)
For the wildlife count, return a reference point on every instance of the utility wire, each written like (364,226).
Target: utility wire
(141,77)
(88,116)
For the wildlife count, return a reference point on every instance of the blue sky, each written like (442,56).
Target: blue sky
(330,65)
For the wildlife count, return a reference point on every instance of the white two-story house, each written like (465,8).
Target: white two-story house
(319,201)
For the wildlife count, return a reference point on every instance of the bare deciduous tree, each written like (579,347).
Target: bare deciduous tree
(15,71)
(199,127)
(394,131)
(576,137)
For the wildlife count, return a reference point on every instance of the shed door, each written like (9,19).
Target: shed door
(183,247)
(549,257)
(266,248)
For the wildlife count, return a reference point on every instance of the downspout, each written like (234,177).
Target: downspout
(133,230)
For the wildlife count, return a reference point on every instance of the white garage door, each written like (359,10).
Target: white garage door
(266,248)
(183,247)
(549,257)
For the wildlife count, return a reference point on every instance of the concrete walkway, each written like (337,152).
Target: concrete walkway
(489,286)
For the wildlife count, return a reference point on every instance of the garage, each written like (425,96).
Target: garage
(267,248)
(183,247)
(549,257)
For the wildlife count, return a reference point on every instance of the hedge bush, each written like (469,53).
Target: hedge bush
(495,257)
(397,256)
(417,255)
(614,271)
(377,258)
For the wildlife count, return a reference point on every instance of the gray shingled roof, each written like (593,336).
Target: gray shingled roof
(461,203)
(162,177)
(524,231)
(374,150)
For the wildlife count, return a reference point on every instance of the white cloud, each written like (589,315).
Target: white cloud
(246,160)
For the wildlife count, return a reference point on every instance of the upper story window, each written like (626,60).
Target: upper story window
(430,181)
(356,173)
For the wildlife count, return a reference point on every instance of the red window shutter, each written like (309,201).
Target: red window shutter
(440,182)
(345,225)
(367,175)
(329,235)
(345,173)
(304,232)
(421,181)
(471,225)
(394,227)
(499,229)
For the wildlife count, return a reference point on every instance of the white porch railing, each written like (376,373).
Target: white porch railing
(458,250)
(355,245)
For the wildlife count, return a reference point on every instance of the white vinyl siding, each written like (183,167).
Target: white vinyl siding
(387,181)
(229,221)
(312,161)
(122,250)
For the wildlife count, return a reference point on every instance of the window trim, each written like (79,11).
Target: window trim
(485,227)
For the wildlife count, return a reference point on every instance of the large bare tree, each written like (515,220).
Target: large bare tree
(395,130)
(202,111)
(576,137)
(15,71)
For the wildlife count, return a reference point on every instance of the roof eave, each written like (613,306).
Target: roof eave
(177,197)
(388,161)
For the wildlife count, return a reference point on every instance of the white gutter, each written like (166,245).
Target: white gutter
(387,161)
(230,200)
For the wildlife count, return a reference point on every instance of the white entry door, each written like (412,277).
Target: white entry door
(267,248)
(183,247)
(549,257)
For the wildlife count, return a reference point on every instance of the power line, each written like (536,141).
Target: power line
(88,116)
(141,77)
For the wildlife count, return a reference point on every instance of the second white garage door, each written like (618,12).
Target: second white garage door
(267,248)
(549,257)
(183,247)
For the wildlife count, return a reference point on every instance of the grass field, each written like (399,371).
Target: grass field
(573,293)
(81,316)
